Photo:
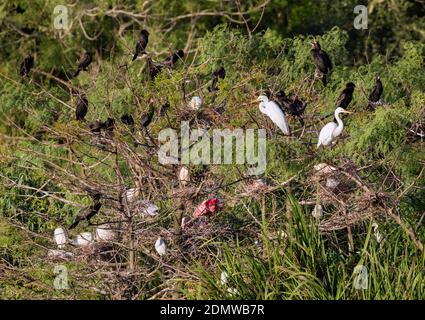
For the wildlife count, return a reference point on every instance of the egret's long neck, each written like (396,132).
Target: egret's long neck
(339,121)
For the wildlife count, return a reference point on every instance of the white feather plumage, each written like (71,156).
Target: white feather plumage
(275,113)
(160,246)
(60,237)
(331,131)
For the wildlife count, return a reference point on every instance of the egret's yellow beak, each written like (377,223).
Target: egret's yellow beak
(345,111)
(254,101)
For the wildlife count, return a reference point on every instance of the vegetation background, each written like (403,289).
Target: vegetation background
(266,241)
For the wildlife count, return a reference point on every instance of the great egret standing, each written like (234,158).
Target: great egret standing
(275,113)
(331,131)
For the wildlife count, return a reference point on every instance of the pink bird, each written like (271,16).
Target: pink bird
(207,207)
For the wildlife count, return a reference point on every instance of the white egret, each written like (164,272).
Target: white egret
(53,253)
(196,103)
(185,221)
(317,212)
(376,233)
(160,246)
(132,194)
(149,208)
(324,168)
(184,177)
(223,278)
(331,183)
(331,131)
(60,237)
(104,233)
(275,113)
(83,239)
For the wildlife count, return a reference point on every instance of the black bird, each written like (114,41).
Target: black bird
(164,108)
(293,106)
(88,213)
(82,107)
(218,73)
(141,45)
(147,117)
(321,61)
(95,126)
(26,66)
(172,60)
(127,119)
(346,96)
(153,70)
(283,100)
(297,108)
(84,62)
(375,94)
(109,125)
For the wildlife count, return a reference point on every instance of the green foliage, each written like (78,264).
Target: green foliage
(39,134)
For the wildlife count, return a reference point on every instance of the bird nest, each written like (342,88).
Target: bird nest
(342,190)
(193,241)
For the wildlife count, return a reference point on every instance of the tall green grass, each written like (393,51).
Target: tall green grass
(306,264)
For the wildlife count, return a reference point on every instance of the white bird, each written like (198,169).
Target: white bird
(132,194)
(184,177)
(83,239)
(317,212)
(160,246)
(196,103)
(149,208)
(376,233)
(275,113)
(324,168)
(185,221)
(53,253)
(331,183)
(60,237)
(104,233)
(331,131)
(223,278)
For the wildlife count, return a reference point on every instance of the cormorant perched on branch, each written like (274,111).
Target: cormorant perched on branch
(141,44)
(95,126)
(153,70)
(26,66)
(109,125)
(164,108)
(218,73)
(172,60)
(283,100)
(82,107)
(127,119)
(294,106)
(346,96)
(84,62)
(88,213)
(375,94)
(297,108)
(147,117)
(321,61)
